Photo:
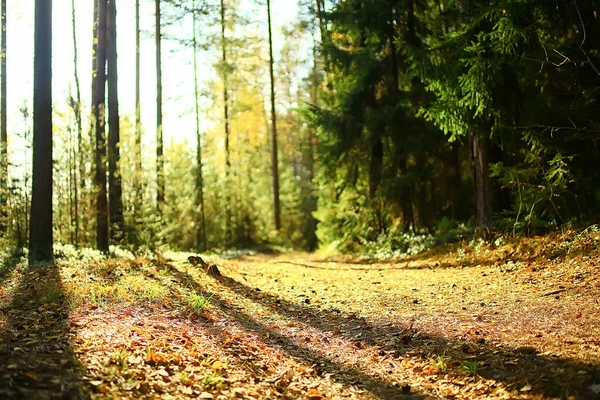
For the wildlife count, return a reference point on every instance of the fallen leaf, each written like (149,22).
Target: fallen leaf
(313,394)
(526,388)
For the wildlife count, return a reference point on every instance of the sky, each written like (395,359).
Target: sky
(178,118)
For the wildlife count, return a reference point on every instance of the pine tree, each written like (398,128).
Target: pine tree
(40,239)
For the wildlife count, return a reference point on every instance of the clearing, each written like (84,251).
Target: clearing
(468,320)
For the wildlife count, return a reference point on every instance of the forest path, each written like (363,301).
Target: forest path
(459,322)
(500,323)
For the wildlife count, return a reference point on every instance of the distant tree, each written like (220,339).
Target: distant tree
(3,127)
(200,221)
(138,188)
(225,74)
(115,201)
(40,239)
(160,173)
(98,105)
(274,162)
(79,173)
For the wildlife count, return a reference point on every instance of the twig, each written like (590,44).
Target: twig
(554,292)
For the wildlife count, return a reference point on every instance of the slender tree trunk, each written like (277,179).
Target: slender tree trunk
(484,190)
(138,119)
(3,127)
(40,239)
(274,162)
(79,181)
(228,227)
(201,223)
(99,114)
(160,174)
(92,194)
(115,201)
(311,236)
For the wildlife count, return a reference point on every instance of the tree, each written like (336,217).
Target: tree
(138,188)
(98,105)
(200,221)
(274,166)
(115,202)
(160,173)
(225,73)
(40,239)
(3,127)
(76,106)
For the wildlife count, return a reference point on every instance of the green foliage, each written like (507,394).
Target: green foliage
(440,364)
(539,186)
(472,367)
(197,303)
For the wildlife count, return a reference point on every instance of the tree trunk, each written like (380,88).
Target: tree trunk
(160,174)
(79,180)
(228,227)
(274,162)
(311,232)
(484,190)
(115,201)
(40,239)
(3,127)
(200,221)
(99,114)
(138,118)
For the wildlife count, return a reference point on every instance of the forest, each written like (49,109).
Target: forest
(312,199)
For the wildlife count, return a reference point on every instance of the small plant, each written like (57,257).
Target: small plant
(52,295)
(198,303)
(120,358)
(472,367)
(440,364)
(212,382)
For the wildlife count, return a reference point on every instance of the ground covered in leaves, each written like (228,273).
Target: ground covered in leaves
(507,320)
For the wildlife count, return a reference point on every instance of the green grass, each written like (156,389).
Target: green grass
(472,367)
(440,364)
(197,303)
(129,289)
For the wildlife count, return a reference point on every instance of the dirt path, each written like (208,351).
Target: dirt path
(488,324)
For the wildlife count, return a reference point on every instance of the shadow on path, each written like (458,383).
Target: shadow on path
(547,375)
(343,374)
(36,357)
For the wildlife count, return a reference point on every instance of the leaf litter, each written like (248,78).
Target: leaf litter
(497,321)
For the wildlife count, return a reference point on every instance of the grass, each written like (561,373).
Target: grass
(472,367)
(52,295)
(198,303)
(212,382)
(440,364)
(131,288)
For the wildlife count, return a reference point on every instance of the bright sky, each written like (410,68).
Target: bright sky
(178,118)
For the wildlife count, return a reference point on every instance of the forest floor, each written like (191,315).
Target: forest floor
(515,320)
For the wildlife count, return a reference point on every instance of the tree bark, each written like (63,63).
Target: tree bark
(100,128)
(40,239)
(160,174)
(274,162)
(115,201)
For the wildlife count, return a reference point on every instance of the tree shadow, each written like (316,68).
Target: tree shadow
(37,360)
(343,374)
(516,367)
